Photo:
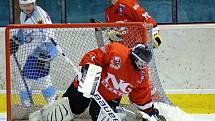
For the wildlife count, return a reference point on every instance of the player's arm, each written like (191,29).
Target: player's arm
(140,15)
(43,16)
(91,67)
(141,97)
(97,57)
(107,15)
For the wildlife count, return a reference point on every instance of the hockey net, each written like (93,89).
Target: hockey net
(75,40)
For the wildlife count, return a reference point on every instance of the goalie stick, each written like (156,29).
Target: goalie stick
(97,97)
(98,33)
(21,72)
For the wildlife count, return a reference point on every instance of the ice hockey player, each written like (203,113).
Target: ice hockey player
(37,65)
(131,11)
(123,71)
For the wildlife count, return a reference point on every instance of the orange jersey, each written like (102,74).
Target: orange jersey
(128,11)
(118,75)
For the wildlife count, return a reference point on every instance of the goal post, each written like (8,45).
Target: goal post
(75,40)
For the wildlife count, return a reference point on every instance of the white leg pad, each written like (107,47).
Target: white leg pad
(172,113)
(55,111)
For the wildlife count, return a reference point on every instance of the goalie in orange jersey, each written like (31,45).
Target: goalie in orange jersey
(123,71)
(131,11)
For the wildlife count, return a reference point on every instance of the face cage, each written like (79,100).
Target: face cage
(141,64)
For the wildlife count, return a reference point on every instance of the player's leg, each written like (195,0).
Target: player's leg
(44,54)
(47,88)
(24,94)
(63,108)
(36,69)
(58,110)
(78,103)
(28,75)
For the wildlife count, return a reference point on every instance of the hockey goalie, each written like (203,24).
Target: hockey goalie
(107,73)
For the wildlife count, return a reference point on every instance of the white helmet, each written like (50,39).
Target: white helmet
(24,2)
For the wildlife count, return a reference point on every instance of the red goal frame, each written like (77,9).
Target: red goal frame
(81,25)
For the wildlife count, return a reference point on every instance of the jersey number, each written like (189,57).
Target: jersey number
(146,15)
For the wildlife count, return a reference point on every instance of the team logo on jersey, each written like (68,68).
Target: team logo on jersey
(118,87)
(142,77)
(121,8)
(146,15)
(92,57)
(115,62)
(136,6)
(40,21)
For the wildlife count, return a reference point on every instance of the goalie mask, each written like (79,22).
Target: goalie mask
(115,36)
(140,56)
(27,6)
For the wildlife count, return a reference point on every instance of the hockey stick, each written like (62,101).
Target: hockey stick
(23,79)
(97,97)
(98,33)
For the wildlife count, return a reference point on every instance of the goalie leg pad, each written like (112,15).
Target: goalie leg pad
(172,113)
(56,111)
(78,103)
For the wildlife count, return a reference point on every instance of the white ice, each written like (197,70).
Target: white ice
(196,117)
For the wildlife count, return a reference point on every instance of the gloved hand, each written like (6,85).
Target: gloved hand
(156,38)
(14,45)
(152,115)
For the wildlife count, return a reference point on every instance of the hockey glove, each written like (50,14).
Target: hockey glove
(24,36)
(156,38)
(14,45)
(152,115)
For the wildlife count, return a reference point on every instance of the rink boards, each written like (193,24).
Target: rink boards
(190,103)
(185,62)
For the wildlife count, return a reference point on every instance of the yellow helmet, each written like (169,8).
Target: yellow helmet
(115,36)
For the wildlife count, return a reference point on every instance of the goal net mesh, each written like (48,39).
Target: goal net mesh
(75,40)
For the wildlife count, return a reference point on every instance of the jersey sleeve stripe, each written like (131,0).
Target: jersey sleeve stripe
(41,13)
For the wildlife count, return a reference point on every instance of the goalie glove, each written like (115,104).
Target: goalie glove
(156,38)
(152,115)
(14,45)
(89,82)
